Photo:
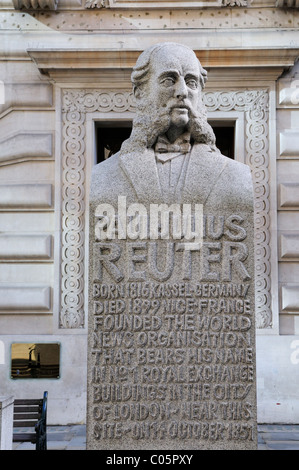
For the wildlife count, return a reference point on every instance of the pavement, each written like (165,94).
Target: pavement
(278,437)
(73,437)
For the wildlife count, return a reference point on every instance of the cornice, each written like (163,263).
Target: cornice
(132,4)
(53,61)
(34,5)
(165,4)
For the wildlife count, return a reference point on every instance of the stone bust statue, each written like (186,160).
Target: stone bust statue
(158,304)
(171,155)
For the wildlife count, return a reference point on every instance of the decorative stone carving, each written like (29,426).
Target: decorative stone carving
(35,4)
(76,103)
(287,3)
(97,4)
(235,3)
(154,4)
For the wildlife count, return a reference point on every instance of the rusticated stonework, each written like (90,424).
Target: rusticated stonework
(75,105)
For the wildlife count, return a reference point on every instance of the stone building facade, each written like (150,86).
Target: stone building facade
(65,86)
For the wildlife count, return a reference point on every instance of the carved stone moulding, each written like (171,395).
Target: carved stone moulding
(96,4)
(165,4)
(52,4)
(76,104)
(235,3)
(35,4)
(287,3)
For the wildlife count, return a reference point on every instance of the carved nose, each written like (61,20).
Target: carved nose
(181,89)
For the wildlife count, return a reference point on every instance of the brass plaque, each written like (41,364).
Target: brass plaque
(35,360)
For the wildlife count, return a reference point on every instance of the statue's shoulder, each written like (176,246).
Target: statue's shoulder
(231,181)
(237,170)
(105,179)
(105,168)
(214,160)
(236,183)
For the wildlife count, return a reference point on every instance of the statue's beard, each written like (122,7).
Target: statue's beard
(152,121)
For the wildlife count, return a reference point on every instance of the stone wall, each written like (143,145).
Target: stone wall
(288,199)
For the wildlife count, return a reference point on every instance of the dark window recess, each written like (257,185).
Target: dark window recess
(109,140)
(225,138)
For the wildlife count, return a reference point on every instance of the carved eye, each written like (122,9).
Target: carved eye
(192,83)
(168,81)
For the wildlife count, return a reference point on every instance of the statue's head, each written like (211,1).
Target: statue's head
(168,80)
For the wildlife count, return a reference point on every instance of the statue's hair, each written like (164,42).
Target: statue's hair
(140,73)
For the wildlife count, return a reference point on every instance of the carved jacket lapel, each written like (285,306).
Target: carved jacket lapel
(141,170)
(204,170)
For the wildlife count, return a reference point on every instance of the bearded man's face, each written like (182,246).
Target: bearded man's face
(173,88)
(171,98)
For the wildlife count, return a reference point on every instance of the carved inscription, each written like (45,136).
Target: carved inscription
(172,337)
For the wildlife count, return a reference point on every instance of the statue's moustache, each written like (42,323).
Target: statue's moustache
(157,111)
(179,104)
(153,119)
